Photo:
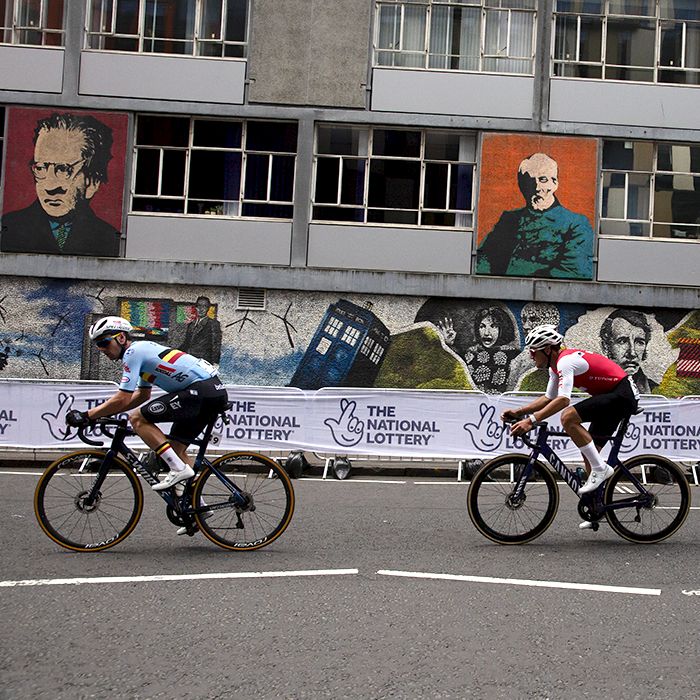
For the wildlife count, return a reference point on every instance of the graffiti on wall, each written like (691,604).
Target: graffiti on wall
(314,339)
(66,190)
(551,235)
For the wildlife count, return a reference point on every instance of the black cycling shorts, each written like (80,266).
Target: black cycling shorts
(189,409)
(606,411)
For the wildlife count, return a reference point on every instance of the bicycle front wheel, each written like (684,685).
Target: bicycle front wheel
(662,514)
(262,514)
(501,516)
(66,517)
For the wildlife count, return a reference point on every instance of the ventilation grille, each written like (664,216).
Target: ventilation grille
(252,299)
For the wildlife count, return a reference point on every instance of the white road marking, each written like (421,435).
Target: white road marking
(525,582)
(175,577)
(22,473)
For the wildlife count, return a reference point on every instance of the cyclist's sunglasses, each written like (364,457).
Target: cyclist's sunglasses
(105,341)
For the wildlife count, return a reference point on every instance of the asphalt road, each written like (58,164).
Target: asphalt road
(358,623)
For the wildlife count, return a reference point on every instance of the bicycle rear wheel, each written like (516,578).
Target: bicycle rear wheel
(59,502)
(494,509)
(659,518)
(268,506)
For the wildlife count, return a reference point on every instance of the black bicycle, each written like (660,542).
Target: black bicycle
(90,500)
(513,498)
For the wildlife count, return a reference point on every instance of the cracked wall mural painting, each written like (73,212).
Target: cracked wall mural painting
(315,339)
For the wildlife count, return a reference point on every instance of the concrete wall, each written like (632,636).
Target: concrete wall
(208,238)
(450,92)
(390,248)
(184,78)
(625,104)
(310,52)
(34,69)
(649,261)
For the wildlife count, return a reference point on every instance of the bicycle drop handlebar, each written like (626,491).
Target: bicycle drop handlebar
(103,424)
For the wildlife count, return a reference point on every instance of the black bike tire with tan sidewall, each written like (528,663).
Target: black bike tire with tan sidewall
(57,502)
(487,501)
(271,484)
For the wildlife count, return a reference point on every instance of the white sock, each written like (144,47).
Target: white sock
(590,452)
(167,453)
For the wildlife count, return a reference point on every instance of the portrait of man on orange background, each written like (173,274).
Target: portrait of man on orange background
(58,200)
(552,235)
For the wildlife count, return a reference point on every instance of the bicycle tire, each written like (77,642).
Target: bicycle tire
(267,487)
(60,510)
(660,519)
(493,512)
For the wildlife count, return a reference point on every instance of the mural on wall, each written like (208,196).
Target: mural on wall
(348,349)
(314,339)
(551,236)
(66,192)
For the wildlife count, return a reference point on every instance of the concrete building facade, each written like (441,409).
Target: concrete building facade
(463,168)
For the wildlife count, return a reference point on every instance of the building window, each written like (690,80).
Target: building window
(392,176)
(644,40)
(33,22)
(188,27)
(496,36)
(650,190)
(223,168)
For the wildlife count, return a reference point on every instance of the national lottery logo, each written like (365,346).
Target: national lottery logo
(487,433)
(347,429)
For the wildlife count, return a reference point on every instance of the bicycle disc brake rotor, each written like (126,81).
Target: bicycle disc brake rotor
(247,505)
(514,503)
(80,504)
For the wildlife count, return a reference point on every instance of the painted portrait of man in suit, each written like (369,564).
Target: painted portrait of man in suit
(203,334)
(70,163)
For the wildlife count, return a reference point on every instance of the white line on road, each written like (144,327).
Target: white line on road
(22,473)
(176,577)
(525,582)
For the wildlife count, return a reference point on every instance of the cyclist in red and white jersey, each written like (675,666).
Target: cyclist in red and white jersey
(613,398)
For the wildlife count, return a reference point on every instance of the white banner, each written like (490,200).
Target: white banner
(389,422)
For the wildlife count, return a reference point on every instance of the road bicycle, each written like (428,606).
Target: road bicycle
(90,500)
(513,498)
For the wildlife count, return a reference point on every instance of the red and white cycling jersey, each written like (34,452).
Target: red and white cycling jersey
(583,370)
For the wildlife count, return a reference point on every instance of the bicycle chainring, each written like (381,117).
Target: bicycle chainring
(588,510)
(174,518)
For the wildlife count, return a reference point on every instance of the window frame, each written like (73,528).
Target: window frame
(198,42)
(463,218)
(577,69)
(648,227)
(233,208)
(488,9)
(12,27)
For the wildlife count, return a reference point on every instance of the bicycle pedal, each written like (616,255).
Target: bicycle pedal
(192,530)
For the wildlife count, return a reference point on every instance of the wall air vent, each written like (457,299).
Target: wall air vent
(251,299)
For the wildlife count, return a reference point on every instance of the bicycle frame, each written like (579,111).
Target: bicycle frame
(119,448)
(540,446)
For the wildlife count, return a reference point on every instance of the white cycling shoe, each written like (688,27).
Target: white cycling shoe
(174,477)
(588,525)
(596,479)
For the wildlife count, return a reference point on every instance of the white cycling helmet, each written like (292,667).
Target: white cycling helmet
(542,336)
(109,324)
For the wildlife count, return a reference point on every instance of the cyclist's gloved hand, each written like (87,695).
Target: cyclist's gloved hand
(77,419)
